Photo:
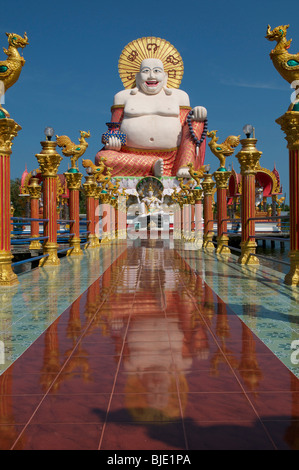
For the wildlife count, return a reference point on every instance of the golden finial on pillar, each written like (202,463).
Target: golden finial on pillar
(224,150)
(10,70)
(285,63)
(288,67)
(74,151)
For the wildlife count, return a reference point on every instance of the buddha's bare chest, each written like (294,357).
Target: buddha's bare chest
(142,105)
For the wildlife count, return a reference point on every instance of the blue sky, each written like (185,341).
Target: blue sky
(71,75)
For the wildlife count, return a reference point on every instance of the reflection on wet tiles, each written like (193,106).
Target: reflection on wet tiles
(258,296)
(41,297)
(180,370)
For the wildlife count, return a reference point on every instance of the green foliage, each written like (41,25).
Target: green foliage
(82,202)
(18,203)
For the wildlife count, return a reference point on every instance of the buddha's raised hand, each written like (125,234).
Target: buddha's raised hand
(199,113)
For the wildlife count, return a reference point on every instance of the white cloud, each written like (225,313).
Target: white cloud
(245,84)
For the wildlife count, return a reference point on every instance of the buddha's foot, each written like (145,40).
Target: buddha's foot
(159,168)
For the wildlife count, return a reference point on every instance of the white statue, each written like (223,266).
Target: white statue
(150,203)
(153,115)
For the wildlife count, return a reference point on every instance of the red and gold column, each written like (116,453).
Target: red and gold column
(34,190)
(73,179)
(90,189)
(221,178)
(8,130)
(186,220)
(289,123)
(248,158)
(97,212)
(122,217)
(208,185)
(49,161)
(197,217)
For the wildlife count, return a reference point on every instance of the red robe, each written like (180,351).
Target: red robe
(140,162)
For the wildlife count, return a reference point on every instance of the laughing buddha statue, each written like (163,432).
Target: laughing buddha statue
(158,133)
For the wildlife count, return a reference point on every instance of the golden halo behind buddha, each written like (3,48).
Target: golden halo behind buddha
(150,48)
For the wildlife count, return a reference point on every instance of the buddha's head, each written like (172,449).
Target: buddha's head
(151,78)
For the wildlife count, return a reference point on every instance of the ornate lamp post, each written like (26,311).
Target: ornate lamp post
(49,161)
(8,130)
(248,158)
(34,190)
(208,185)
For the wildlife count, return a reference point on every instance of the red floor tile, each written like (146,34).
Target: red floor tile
(75,408)
(228,436)
(60,437)
(141,436)
(158,364)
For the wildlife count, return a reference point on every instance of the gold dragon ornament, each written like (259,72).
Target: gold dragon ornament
(10,68)
(226,149)
(74,151)
(285,63)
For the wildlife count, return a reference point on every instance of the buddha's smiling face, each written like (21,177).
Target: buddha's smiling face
(151,78)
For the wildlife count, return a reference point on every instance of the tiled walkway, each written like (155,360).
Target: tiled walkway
(148,357)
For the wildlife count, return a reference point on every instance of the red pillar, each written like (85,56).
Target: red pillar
(208,185)
(248,158)
(74,184)
(49,162)
(221,178)
(34,190)
(90,188)
(289,123)
(8,130)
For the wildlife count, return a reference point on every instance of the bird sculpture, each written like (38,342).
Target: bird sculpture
(98,171)
(280,201)
(10,68)
(197,175)
(74,151)
(185,187)
(285,63)
(226,149)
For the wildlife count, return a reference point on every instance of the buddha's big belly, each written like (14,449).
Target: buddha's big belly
(152,132)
